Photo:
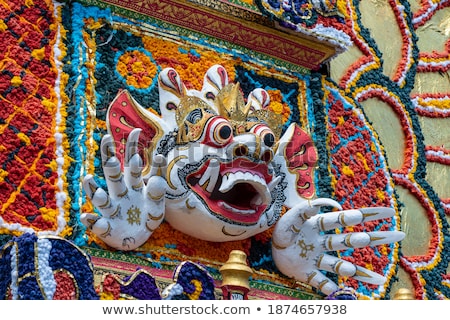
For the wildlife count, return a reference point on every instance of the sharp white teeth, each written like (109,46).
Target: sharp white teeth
(274,183)
(231,179)
(230,208)
(210,176)
(227,183)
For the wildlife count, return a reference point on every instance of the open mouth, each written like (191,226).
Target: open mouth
(238,192)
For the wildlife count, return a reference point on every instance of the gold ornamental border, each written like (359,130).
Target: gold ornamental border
(233,24)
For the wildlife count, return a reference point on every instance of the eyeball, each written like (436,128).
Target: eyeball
(218,132)
(266,134)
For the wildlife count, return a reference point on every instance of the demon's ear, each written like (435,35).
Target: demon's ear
(126,114)
(297,157)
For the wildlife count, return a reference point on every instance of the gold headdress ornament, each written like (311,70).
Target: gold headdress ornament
(193,129)
(230,104)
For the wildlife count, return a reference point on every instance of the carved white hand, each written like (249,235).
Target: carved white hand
(132,208)
(300,244)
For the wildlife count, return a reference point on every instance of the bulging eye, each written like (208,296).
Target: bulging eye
(219,132)
(265,133)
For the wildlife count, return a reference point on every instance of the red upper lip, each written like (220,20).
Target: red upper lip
(236,204)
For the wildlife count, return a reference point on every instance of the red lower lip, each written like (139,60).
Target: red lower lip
(235,205)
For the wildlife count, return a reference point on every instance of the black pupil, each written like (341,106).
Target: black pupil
(225,132)
(269,139)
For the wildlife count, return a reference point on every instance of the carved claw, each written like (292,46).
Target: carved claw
(300,244)
(131,209)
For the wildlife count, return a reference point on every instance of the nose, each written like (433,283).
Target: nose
(251,146)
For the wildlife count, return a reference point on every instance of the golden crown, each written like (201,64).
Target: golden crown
(230,104)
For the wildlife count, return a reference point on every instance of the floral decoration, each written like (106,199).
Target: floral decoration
(196,282)
(35,268)
(33,195)
(140,285)
(191,281)
(136,68)
(52,51)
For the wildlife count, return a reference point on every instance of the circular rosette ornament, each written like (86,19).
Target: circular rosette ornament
(136,68)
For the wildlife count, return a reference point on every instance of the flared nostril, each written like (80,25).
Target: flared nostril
(267,156)
(240,150)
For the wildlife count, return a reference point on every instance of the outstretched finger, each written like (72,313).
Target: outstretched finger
(336,265)
(347,269)
(99,226)
(385,237)
(345,218)
(343,241)
(112,168)
(107,149)
(368,276)
(156,184)
(377,213)
(313,207)
(158,168)
(318,280)
(100,199)
(133,162)
(132,145)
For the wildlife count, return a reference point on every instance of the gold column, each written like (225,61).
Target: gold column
(235,274)
(403,294)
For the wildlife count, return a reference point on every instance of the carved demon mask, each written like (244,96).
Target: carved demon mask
(228,169)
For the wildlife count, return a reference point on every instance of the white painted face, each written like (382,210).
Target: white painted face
(227,173)
(223,186)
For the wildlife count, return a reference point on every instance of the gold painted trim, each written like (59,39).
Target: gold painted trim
(330,243)
(230,234)
(157,217)
(367,215)
(311,276)
(107,204)
(319,261)
(361,273)
(376,238)
(116,212)
(138,186)
(277,246)
(322,284)
(321,224)
(169,170)
(123,194)
(338,266)
(154,198)
(188,205)
(342,219)
(107,232)
(136,174)
(347,241)
(115,177)
(294,229)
